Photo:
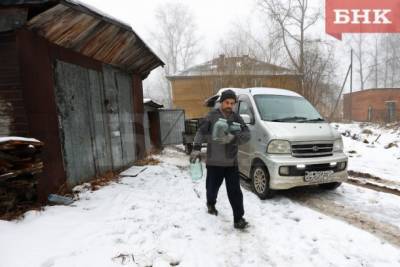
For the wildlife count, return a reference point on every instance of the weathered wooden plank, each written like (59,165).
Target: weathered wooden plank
(72,93)
(128,139)
(112,110)
(101,136)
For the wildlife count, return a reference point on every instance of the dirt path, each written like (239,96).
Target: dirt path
(314,199)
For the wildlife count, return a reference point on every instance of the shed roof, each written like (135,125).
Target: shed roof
(74,25)
(151,103)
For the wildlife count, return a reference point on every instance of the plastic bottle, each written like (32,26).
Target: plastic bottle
(196,170)
(220,129)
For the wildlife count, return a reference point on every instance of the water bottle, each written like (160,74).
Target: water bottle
(196,170)
(220,129)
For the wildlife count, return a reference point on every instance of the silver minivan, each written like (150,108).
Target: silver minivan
(291,144)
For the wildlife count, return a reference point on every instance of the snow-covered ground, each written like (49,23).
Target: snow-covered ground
(374,157)
(158,218)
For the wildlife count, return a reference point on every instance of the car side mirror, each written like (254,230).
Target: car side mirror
(246,118)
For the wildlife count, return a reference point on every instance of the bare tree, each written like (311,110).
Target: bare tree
(242,40)
(390,58)
(312,58)
(292,19)
(177,43)
(363,57)
(176,36)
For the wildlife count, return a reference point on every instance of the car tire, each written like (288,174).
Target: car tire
(260,181)
(330,186)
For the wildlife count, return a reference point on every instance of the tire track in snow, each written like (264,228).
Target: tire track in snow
(306,197)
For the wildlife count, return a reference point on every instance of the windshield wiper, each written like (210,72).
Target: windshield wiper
(294,118)
(313,120)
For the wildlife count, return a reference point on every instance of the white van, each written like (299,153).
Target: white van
(291,144)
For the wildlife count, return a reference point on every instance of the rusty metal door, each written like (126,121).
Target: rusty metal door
(172,125)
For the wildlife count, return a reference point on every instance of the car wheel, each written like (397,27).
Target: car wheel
(260,181)
(330,186)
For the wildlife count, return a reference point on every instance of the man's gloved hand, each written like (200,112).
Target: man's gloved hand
(194,155)
(227,138)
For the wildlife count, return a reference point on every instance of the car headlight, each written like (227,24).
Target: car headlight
(338,145)
(279,147)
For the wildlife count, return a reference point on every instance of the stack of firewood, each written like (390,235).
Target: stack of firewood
(19,156)
(19,164)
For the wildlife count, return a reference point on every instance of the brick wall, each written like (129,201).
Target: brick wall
(374,99)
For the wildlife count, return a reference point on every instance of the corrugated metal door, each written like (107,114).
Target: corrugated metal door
(172,125)
(124,83)
(72,88)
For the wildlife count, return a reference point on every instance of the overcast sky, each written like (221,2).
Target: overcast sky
(214,18)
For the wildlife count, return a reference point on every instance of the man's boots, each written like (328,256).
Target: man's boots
(240,224)
(212,210)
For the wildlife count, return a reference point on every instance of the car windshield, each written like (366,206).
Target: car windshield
(281,108)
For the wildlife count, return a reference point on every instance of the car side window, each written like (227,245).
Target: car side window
(245,108)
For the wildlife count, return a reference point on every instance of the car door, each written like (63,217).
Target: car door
(246,150)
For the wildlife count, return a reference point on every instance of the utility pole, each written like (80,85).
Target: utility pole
(351,85)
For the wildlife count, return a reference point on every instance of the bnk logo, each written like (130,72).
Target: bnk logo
(362,16)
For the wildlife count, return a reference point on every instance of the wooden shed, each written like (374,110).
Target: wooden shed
(191,87)
(72,78)
(373,105)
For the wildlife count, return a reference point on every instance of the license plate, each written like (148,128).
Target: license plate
(318,176)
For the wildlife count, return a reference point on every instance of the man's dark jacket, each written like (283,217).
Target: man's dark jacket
(224,155)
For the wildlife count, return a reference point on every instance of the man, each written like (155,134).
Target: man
(221,159)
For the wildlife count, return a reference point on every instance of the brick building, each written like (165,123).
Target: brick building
(374,105)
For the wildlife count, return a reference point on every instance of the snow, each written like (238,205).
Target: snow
(373,157)
(381,207)
(159,217)
(17,138)
(133,171)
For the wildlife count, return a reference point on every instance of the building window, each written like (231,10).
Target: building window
(390,111)
(369,113)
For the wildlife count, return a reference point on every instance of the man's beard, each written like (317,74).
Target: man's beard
(227,110)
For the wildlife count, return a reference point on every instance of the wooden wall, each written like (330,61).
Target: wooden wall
(13,120)
(189,93)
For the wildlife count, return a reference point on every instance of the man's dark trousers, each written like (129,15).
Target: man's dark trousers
(215,176)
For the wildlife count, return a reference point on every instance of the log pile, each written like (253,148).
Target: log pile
(19,164)
(19,157)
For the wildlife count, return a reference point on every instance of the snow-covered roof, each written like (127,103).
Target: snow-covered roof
(244,65)
(152,103)
(5,139)
(261,90)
